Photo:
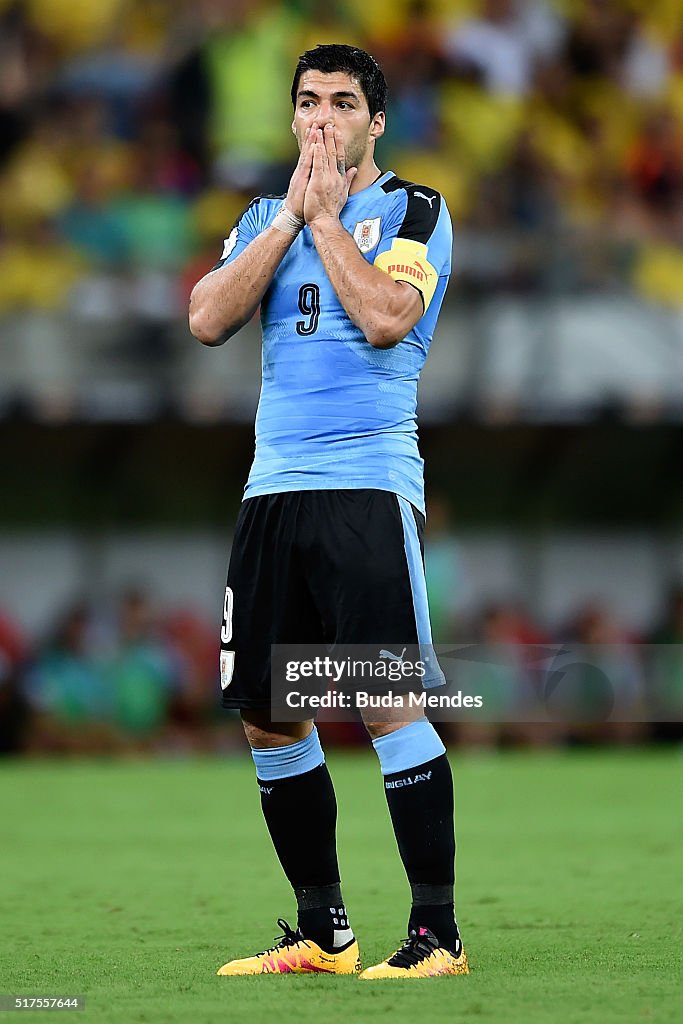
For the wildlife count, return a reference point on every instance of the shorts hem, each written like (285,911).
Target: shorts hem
(248,703)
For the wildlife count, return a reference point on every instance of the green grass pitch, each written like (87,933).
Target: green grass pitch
(131,882)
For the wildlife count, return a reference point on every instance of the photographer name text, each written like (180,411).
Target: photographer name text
(363,699)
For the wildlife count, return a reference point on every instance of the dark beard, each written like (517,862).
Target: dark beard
(355,154)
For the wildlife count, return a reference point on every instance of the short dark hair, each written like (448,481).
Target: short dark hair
(350,60)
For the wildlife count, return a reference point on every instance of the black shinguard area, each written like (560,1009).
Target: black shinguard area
(420,803)
(301,815)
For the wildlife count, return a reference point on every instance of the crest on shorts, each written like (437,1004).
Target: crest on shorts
(366,234)
(227,668)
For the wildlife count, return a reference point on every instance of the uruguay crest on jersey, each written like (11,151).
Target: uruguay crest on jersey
(366,234)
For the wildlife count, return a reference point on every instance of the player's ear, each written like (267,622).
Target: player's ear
(293,128)
(377,125)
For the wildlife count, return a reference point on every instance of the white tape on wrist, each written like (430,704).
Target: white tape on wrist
(285,220)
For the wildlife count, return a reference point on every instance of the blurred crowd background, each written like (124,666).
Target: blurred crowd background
(128,674)
(132,133)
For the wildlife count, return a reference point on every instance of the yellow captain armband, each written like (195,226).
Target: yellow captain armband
(407,261)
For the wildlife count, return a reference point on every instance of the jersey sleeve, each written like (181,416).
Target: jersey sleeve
(250,223)
(417,241)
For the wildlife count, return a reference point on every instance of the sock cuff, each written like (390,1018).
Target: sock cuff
(427,895)
(312,897)
(408,746)
(294,759)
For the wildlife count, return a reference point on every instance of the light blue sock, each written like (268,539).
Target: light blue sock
(408,746)
(294,759)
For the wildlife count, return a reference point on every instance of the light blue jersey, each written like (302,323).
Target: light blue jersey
(335,412)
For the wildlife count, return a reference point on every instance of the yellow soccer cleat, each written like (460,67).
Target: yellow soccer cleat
(420,956)
(294,954)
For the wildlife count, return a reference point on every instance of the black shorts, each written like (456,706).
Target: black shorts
(319,567)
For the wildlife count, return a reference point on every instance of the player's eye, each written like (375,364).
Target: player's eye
(344,105)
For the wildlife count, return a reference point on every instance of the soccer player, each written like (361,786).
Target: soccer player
(350,269)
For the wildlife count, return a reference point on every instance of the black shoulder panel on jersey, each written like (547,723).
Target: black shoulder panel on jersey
(255,201)
(422,210)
